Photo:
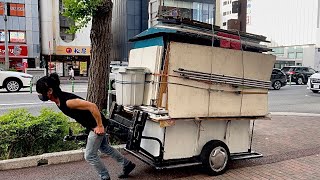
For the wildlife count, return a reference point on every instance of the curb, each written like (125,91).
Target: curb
(46,159)
(294,114)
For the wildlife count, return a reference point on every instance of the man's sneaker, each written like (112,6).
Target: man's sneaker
(127,170)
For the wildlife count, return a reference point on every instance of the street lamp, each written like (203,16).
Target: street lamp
(6,46)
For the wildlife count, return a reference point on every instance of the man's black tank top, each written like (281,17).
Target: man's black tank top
(84,117)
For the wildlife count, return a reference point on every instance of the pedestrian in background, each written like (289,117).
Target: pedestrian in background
(71,74)
(89,116)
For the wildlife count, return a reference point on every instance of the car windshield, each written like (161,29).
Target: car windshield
(286,69)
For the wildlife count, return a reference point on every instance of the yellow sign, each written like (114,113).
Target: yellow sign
(83,68)
(73,50)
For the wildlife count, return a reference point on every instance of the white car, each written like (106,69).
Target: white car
(314,83)
(14,81)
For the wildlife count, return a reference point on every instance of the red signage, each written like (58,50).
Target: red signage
(68,50)
(16,9)
(1,8)
(15,51)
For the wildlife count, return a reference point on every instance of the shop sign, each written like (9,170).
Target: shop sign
(17,37)
(83,68)
(16,9)
(15,51)
(1,8)
(73,50)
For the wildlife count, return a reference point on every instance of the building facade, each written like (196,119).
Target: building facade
(199,10)
(292,26)
(23,33)
(129,18)
(61,50)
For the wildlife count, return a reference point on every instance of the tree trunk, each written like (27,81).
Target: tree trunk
(101,40)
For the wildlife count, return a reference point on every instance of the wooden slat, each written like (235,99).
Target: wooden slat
(164,79)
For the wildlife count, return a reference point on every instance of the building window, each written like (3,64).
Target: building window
(278,52)
(291,55)
(225,3)
(224,13)
(224,24)
(2,36)
(299,55)
(291,49)
(17,37)
(16,9)
(65,24)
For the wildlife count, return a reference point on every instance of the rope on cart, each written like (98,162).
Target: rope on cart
(242,69)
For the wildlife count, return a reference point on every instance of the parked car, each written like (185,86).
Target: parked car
(278,79)
(14,81)
(298,74)
(314,83)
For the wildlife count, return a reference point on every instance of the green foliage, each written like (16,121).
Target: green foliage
(80,11)
(22,134)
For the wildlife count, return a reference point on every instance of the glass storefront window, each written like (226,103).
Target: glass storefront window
(198,10)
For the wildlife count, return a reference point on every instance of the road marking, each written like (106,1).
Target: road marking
(24,104)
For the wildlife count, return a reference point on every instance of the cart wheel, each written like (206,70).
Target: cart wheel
(215,157)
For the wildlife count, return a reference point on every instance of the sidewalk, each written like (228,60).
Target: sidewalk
(301,168)
(290,145)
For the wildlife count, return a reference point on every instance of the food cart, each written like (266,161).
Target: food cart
(190,96)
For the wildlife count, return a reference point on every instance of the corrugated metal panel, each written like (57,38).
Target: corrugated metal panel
(128,20)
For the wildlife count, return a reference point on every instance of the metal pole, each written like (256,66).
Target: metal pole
(49,64)
(72,87)
(6,44)
(290,79)
(31,86)
(242,16)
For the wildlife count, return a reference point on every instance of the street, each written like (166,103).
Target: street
(290,144)
(294,98)
(31,102)
(288,99)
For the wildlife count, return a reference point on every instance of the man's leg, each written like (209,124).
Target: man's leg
(91,154)
(128,166)
(110,151)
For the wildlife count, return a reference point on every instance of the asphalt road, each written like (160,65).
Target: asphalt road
(294,99)
(284,141)
(31,102)
(288,99)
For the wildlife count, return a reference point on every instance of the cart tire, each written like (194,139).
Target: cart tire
(215,157)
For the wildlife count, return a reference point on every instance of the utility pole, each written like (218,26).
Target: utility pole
(242,15)
(6,45)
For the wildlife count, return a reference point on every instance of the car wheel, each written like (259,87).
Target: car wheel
(215,157)
(13,85)
(300,81)
(315,91)
(277,85)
